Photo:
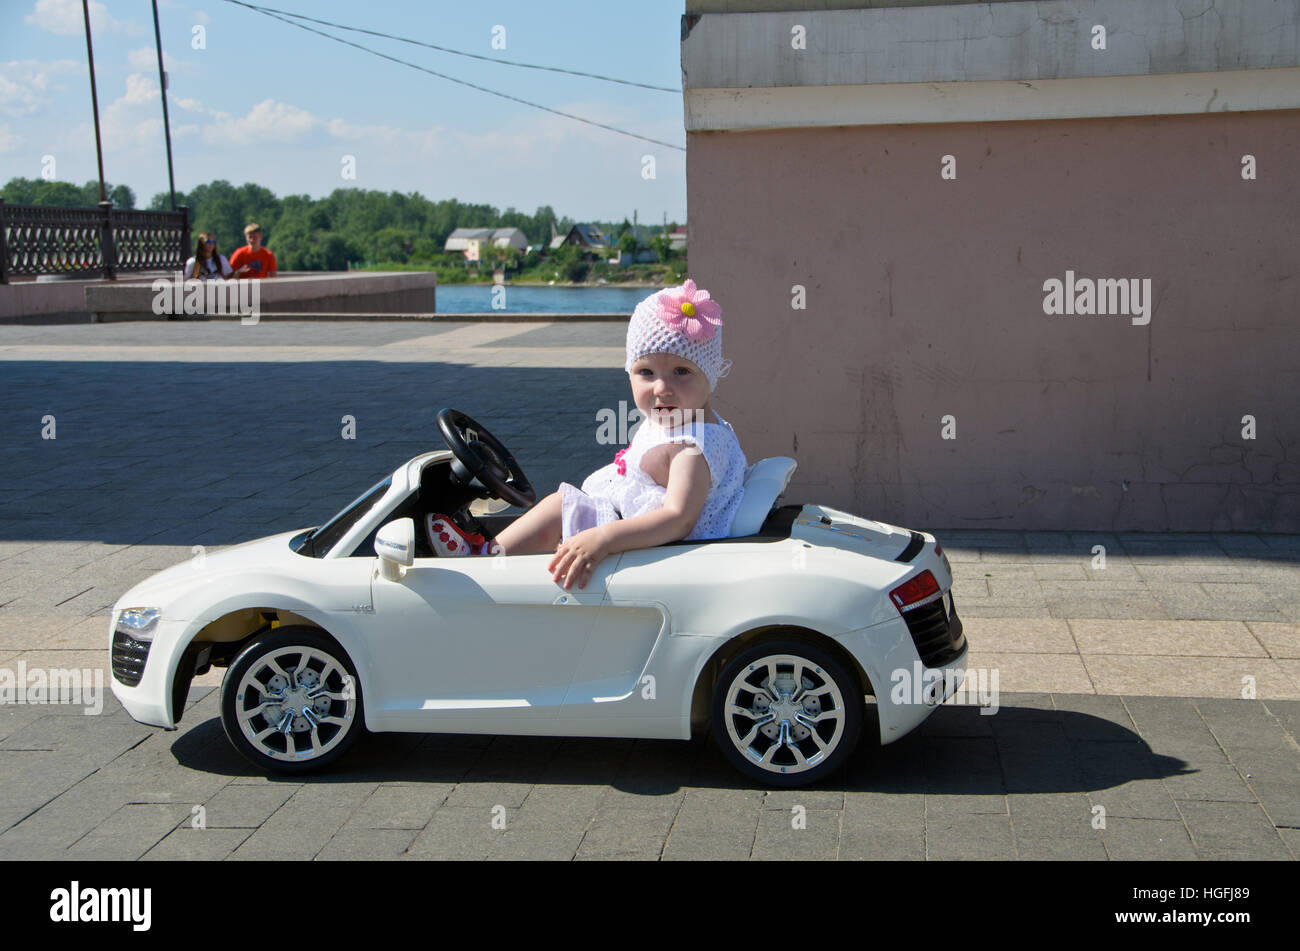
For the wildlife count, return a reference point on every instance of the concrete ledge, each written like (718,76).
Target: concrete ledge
(349,293)
(22,300)
(48,318)
(786,107)
(985,42)
(508,317)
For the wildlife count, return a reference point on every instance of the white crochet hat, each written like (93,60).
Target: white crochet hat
(681,321)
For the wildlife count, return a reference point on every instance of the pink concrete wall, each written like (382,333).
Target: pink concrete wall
(925,298)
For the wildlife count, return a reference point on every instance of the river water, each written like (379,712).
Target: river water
(478,298)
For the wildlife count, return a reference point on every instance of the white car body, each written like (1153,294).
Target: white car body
(493,645)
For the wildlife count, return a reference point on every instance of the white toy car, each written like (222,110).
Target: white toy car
(773,636)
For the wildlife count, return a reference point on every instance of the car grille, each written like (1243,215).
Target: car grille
(128,658)
(936,633)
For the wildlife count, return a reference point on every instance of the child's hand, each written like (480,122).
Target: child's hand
(577,558)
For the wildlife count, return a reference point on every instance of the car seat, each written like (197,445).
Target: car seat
(765,480)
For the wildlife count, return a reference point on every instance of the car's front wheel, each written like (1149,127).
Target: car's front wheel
(786,713)
(291,702)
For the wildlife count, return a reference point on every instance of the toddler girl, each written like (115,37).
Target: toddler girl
(680,478)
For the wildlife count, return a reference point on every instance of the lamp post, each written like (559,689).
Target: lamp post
(106,225)
(162,85)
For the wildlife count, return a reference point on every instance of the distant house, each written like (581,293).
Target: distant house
(644,235)
(472,241)
(584,236)
(644,256)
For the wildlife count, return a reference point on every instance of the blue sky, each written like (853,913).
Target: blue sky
(266,102)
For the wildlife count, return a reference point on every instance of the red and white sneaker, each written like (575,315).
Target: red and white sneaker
(449,541)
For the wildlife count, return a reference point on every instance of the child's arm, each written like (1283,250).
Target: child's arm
(687,491)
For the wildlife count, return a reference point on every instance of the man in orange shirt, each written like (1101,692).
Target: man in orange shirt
(253,260)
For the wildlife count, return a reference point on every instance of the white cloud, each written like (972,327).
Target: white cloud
(145,60)
(65,17)
(9,141)
(141,88)
(134,120)
(383,135)
(268,121)
(519,143)
(184,12)
(25,84)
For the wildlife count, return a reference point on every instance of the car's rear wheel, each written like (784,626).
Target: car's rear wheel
(786,713)
(291,702)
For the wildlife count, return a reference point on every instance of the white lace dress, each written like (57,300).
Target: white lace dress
(622,489)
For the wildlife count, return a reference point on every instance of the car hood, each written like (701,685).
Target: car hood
(208,567)
(831,528)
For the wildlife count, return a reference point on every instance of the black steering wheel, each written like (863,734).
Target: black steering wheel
(481,456)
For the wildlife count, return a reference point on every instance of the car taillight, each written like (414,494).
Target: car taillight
(915,591)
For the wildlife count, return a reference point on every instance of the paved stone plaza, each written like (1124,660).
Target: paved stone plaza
(1121,687)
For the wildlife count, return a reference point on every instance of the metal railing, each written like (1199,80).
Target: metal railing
(39,239)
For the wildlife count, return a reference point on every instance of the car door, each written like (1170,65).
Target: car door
(633,670)
(480,642)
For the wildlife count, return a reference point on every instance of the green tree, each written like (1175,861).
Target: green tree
(662,245)
(38,191)
(122,197)
(506,257)
(389,244)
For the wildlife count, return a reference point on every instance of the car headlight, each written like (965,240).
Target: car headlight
(139,623)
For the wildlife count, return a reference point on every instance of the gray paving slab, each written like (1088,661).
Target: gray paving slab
(304,825)
(400,807)
(129,833)
(883,846)
(1073,806)
(783,835)
(1291,836)
(1054,849)
(1279,799)
(709,847)
(1232,827)
(356,844)
(1147,840)
(516,845)
(245,807)
(965,837)
(457,833)
(1212,783)
(48,830)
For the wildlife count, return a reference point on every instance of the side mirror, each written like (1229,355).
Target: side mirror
(395,546)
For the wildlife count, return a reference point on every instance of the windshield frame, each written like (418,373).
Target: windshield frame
(324,539)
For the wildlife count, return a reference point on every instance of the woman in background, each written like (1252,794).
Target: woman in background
(207,262)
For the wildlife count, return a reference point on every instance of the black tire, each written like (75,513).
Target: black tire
(747,738)
(307,654)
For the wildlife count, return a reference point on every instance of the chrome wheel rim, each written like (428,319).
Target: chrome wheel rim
(295,704)
(784,714)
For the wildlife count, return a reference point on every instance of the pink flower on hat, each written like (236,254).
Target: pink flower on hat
(689,311)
